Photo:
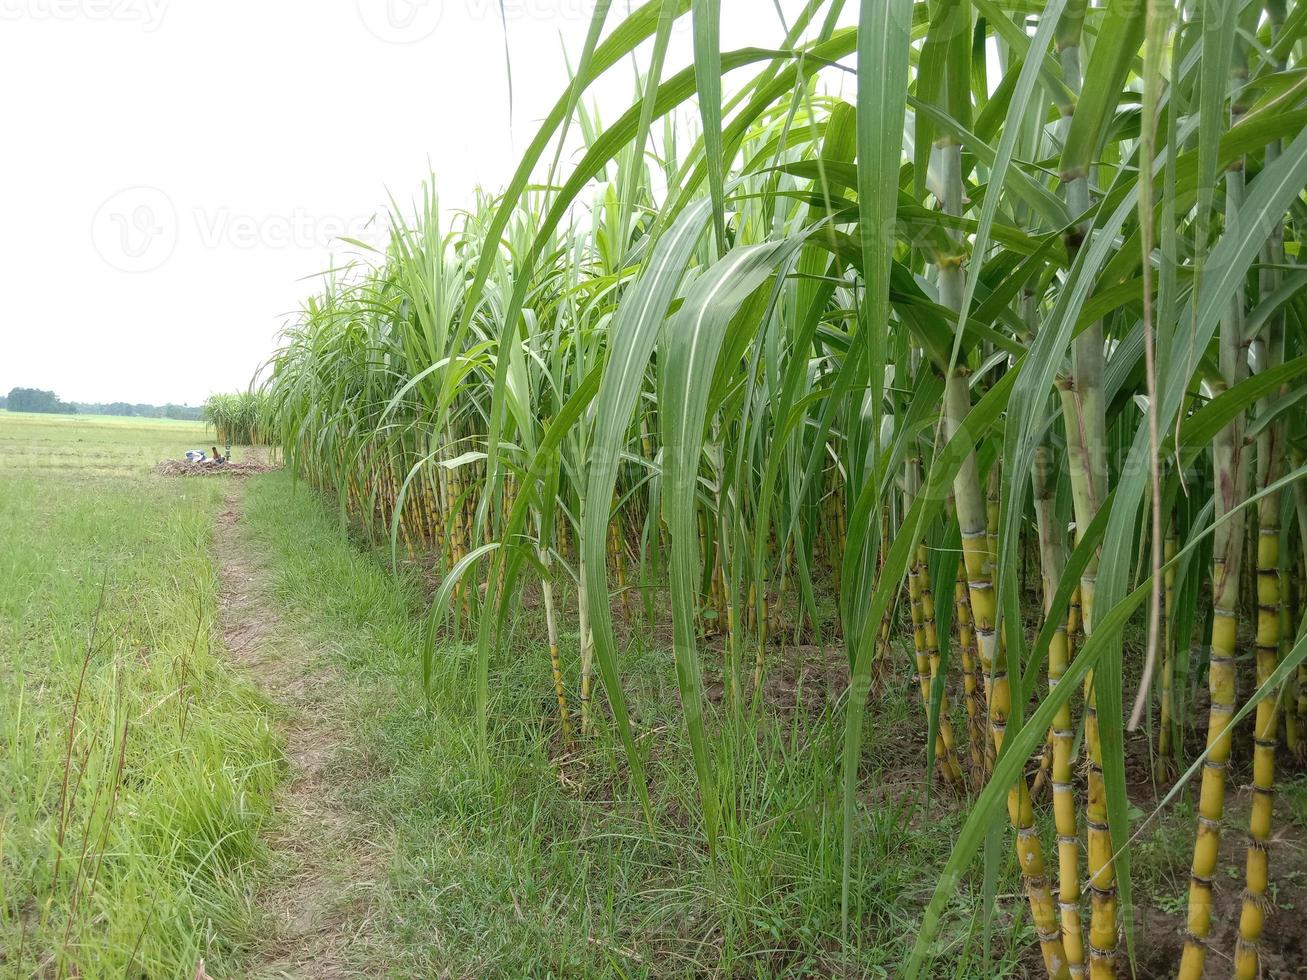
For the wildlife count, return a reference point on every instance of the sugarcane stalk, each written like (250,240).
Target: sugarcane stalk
(1221,685)
(1267,353)
(1166,761)
(1256,882)
(970,505)
(994,482)
(1295,700)
(979,744)
(587,638)
(925,641)
(1228,544)
(952,767)
(1083,411)
(1052,561)
(551,630)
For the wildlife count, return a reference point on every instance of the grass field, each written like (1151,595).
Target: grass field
(136,768)
(85,446)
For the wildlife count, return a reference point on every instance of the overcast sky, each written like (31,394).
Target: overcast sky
(174,172)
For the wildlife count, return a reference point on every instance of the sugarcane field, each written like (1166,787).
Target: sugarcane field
(672,488)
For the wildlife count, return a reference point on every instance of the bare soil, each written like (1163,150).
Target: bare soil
(320,901)
(180,467)
(1283,949)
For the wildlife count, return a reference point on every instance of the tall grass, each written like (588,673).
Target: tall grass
(137,770)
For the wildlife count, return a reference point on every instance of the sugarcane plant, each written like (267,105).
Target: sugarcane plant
(239,418)
(1032,292)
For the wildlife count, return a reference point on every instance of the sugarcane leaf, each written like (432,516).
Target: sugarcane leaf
(691,344)
(1115,50)
(633,335)
(706,15)
(884,40)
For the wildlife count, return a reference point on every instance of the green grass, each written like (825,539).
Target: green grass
(536,867)
(172,760)
(81,447)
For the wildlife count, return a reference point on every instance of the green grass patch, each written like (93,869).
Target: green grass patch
(539,862)
(135,767)
(88,447)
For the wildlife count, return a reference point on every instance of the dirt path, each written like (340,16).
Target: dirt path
(318,903)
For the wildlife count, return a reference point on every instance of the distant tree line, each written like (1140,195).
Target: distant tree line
(40,400)
(37,400)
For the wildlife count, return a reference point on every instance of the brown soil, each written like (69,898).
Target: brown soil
(180,467)
(319,903)
(1283,952)
(806,676)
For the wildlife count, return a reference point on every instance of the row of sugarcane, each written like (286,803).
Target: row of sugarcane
(238,418)
(806,401)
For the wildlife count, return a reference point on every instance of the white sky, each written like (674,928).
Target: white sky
(173,170)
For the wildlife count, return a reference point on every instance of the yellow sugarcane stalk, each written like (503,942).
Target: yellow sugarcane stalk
(1211,803)
(1230,472)
(925,642)
(1082,466)
(1061,735)
(1227,559)
(1266,353)
(1064,811)
(970,505)
(1083,410)
(1255,903)
(978,741)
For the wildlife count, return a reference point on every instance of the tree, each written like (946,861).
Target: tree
(37,400)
